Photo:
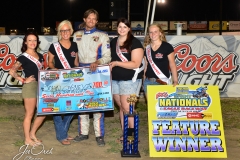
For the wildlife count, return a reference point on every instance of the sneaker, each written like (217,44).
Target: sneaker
(100,141)
(80,138)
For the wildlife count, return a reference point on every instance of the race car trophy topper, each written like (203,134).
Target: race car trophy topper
(130,135)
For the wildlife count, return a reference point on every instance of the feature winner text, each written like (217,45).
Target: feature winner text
(175,136)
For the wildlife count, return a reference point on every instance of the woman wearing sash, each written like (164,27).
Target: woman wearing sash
(31,62)
(67,51)
(127,67)
(159,56)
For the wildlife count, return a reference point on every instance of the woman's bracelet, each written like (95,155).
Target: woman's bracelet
(116,63)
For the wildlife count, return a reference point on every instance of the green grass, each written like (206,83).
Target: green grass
(141,106)
(115,120)
(231,113)
(10,102)
(114,147)
(18,143)
(11,118)
(115,130)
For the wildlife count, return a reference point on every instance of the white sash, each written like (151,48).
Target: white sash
(61,56)
(124,59)
(156,70)
(34,60)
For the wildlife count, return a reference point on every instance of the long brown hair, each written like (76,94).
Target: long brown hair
(147,39)
(128,43)
(24,46)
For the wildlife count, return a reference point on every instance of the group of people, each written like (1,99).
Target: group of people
(130,63)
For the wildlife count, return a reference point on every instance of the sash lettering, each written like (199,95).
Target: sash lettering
(61,56)
(156,70)
(124,59)
(34,60)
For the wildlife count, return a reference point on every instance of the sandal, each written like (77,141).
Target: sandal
(65,142)
(70,138)
(32,143)
(36,140)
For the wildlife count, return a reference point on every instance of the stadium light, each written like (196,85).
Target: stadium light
(161,1)
(153,12)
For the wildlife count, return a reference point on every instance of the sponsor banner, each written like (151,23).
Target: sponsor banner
(185,121)
(163,24)
(197,25)
(137,25)
(74,90)
(114,25)
(79,25)
(214,25)
(209,60)
(105,26)
(234,25)
(2,31)
(173,26)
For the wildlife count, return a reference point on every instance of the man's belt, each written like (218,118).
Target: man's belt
(157,80)
(84,64)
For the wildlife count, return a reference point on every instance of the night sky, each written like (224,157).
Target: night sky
(21,14)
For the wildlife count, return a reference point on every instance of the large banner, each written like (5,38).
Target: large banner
(197,25)
(185,121)
(105,26)
(163,24)
(173,25)
(234,25)
(74,90)
(214,25)
(2,31)
(137,25)
(210,60)
(114,25)
(201,60)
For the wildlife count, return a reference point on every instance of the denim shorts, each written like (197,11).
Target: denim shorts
(148,82)
(126,87)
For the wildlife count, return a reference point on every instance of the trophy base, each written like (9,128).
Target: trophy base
(137,155)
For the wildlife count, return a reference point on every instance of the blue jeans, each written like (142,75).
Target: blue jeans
(148,82)
(62,125)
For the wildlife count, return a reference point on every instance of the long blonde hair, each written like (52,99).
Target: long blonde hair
(147,39)
(60,26)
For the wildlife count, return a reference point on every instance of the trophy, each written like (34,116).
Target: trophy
(130,135)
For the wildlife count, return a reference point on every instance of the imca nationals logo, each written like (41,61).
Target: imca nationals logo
(183,103)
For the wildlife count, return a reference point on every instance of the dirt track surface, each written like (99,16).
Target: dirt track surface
(11,133)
